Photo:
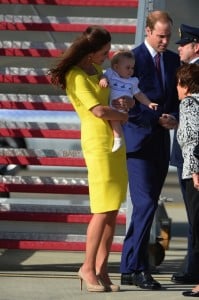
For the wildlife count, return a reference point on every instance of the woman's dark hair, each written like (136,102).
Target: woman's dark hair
(188,75)
(90,41)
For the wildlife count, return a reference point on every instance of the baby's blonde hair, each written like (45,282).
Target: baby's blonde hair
(121,54)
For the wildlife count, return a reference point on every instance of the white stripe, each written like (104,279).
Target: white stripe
(56,237)
(67,20)
(34,45)
(33,98)
(40,153)
(50,45)
(44,205)
(43,180)
(38,125)
(23,71)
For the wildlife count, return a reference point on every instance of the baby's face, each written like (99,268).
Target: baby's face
(125,67)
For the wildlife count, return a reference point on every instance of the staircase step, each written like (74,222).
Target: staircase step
(74,205)
(42,49)
(65,24)
(70,204)
(50,245)
(53,217)
(112,3)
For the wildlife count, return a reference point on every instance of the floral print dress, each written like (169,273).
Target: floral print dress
(188,134)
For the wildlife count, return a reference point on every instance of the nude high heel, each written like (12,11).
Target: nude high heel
(90,287)
(109,287)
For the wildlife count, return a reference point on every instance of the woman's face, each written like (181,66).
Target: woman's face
(100,56)
(182,91)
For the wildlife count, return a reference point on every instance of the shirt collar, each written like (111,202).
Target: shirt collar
(194,60)
(150,49)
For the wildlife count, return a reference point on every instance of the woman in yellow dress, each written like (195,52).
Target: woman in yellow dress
(78,72)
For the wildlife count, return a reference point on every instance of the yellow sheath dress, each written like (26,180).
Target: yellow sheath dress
(107,171)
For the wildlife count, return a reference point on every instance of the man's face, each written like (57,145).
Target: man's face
(188,52)
(159,37)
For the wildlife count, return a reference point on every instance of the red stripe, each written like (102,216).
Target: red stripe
(50,245)
(63,27)
(43,133)
(52,217)
(119,3)
(30,52)
(42,161)
(47,188)
(44,217)
(36,105)
(34,79)
(33,52)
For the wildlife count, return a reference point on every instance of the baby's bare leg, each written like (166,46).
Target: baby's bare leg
(117,135)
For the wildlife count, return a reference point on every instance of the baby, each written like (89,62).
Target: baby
(119,78)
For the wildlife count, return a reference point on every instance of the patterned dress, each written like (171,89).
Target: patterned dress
(188,134)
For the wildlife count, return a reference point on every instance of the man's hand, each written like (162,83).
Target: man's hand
(168,121)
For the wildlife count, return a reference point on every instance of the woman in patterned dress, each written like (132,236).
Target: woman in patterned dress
(188,138)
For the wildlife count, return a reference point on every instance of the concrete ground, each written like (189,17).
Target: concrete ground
(46,275)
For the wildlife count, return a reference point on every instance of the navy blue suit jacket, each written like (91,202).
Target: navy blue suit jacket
(143,122)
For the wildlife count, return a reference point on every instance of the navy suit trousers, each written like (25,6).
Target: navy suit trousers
(147,173)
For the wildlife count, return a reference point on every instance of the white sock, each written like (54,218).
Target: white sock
(117,143)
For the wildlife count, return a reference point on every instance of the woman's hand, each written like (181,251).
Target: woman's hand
(109,113)
(123,103)
(195,177)
(168,121)
(126,116)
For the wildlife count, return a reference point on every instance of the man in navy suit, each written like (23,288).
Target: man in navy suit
(189,53)
(148,144)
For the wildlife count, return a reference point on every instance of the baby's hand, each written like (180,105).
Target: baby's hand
(103,82)
(153,106)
